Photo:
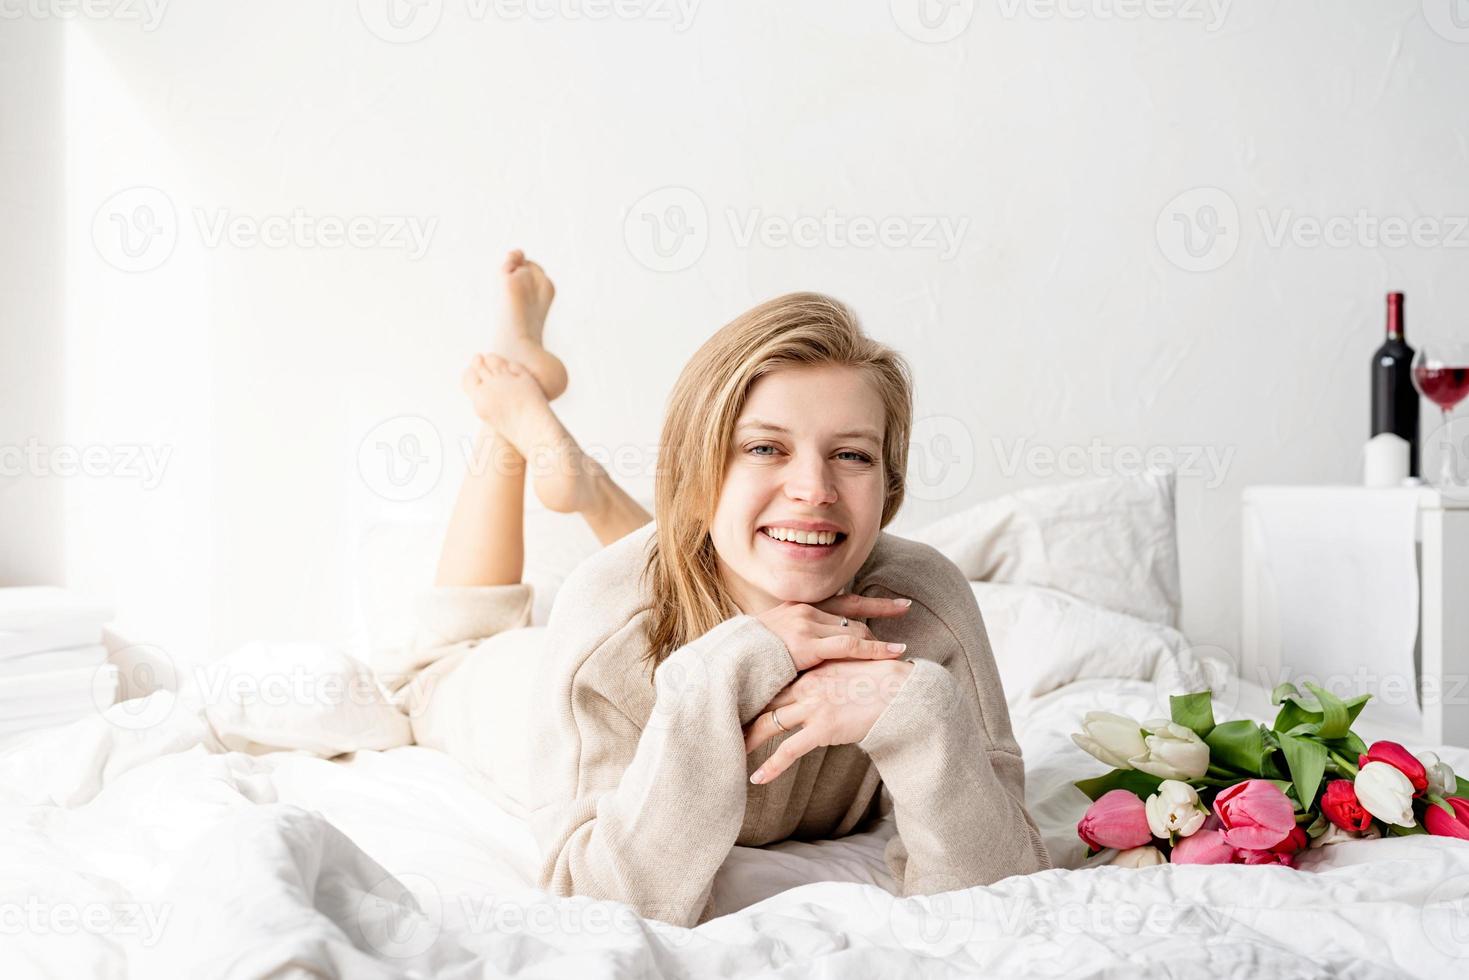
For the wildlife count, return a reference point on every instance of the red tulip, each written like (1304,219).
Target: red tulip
(1443,825)
(1116,819)
(1400,759)
(1255,815)
(1341,807)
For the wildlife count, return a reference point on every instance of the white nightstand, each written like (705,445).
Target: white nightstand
(1357,621)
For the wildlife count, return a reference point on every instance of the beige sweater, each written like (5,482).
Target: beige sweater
(644,788)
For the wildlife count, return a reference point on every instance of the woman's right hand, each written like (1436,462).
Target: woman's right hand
(814,633)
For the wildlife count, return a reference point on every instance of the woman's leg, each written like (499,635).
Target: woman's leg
(565,479)
(484,544)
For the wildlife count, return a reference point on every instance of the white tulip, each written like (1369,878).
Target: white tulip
(1172,752)
(1139,857)
(1385,793)
(1335,835)
(1174,809)
(1111,738)
(1441,780)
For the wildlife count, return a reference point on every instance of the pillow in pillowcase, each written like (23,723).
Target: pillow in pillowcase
(1110,541)
(1043,639)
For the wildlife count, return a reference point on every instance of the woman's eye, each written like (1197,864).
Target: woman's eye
(852,454)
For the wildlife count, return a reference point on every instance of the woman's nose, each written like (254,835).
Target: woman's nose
(810,482)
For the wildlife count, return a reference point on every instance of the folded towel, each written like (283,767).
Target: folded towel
(23,643)
(38,607)
(48,661)
(26,715)
(71,685)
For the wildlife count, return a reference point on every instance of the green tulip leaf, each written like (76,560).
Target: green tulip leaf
(1335,720)
(1349,745)
(1297,718)
(1282,691)
(1355,706)
(1239,745)
(1131,780)
(1306,760)
(1193,711)
(1441,803)
(1397,831)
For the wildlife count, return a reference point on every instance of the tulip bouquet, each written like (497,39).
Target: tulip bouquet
(1189,791)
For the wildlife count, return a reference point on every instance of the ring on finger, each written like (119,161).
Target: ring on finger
(776,718)
(844,622)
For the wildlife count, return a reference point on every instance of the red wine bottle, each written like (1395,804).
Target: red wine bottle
(1394,400)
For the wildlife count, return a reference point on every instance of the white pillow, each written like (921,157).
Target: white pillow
(1110,541)
(1044,639)
(295,696)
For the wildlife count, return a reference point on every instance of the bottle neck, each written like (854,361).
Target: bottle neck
(1395,320)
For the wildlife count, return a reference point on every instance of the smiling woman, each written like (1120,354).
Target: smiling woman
(734,672)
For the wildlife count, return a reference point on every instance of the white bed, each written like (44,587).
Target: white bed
(144,850)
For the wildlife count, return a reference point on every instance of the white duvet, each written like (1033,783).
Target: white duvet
(157,853)
(166,840)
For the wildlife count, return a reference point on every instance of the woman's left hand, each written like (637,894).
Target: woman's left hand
(835,703)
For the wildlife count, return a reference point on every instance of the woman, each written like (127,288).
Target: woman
(764,660)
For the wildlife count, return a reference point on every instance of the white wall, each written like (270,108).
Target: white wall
(32,271)
(1055,138)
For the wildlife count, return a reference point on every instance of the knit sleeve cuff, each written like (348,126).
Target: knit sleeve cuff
(741,652)
(926,698)
(453,613)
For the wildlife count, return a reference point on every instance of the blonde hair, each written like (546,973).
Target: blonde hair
(798,329)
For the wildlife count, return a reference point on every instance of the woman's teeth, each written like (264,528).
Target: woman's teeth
(802,537)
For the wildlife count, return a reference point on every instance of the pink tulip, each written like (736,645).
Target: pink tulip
(1256,816)
(1443,825)
(1204,847)
(1116,819)
(1286,852)
(1400,759)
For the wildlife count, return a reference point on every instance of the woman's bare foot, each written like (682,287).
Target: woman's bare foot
(508,398)
(527,299)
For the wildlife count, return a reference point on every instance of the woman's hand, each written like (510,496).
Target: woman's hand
(814,633)
(834,704)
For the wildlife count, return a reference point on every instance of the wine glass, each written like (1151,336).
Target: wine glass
(1441,374)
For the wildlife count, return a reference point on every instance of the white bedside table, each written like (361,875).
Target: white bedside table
(1347,632)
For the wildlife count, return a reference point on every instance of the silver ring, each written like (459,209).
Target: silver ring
(776,719)
(844,622)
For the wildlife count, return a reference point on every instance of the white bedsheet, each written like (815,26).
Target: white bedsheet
(175,858)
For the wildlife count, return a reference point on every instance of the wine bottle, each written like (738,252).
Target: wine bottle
(1394,400)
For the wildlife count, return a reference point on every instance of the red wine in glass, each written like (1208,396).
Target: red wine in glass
(1441,374)
(1444,386)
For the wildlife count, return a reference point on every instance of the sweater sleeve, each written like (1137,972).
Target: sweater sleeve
(451,619)
(952,769)
(646,815)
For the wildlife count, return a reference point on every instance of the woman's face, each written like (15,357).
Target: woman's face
(807,450)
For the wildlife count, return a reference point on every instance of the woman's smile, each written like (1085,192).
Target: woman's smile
(812,546)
